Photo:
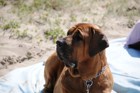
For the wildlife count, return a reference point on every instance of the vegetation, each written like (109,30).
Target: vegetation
(53,14)
(2,3)
(126,9)
(10,25)
(54,34)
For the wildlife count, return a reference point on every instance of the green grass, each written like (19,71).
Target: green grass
(73,18)
(3,3)
(10,25)
(20,34)
(53,4)
(52,13)
(84,19)
(54,34)
(57,21)
(22,9)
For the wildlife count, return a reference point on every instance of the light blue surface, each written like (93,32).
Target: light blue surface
(124,64)
(24,80)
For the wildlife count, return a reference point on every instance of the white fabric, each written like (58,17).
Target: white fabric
(134,35)
(124,64)
(24,80)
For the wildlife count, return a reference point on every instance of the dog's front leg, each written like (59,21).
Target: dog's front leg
(53,68)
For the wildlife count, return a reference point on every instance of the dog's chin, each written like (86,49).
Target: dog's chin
(60,55)
(74,72)
(65,58)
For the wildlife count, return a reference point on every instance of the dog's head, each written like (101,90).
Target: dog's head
(82,42)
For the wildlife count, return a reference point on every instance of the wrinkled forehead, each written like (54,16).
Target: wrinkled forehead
(86,25)
(83,28)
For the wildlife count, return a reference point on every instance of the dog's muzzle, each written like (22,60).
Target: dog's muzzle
(64,52)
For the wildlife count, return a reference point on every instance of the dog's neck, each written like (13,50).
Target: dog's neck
(96,65)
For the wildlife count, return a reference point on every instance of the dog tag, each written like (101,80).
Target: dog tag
(88,84)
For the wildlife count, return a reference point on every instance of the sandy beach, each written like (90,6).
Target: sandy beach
(23,38)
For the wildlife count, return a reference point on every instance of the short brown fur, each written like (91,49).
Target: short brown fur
(89,54)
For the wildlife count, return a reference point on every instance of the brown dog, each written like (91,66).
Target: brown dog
(79,64)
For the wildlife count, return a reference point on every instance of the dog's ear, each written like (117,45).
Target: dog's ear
(97,41)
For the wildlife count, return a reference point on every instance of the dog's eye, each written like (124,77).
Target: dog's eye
(69,33)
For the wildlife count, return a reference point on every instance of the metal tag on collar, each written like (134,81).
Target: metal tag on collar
(89,83)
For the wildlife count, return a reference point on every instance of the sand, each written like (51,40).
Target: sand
(19,51)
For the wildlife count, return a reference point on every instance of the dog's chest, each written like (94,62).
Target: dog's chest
(73,84)
(77,85)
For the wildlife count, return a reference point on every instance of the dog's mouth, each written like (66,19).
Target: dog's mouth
(64,53)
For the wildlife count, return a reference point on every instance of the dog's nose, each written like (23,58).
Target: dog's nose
(60,42)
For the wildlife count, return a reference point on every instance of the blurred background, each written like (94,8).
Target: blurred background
(29,28)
